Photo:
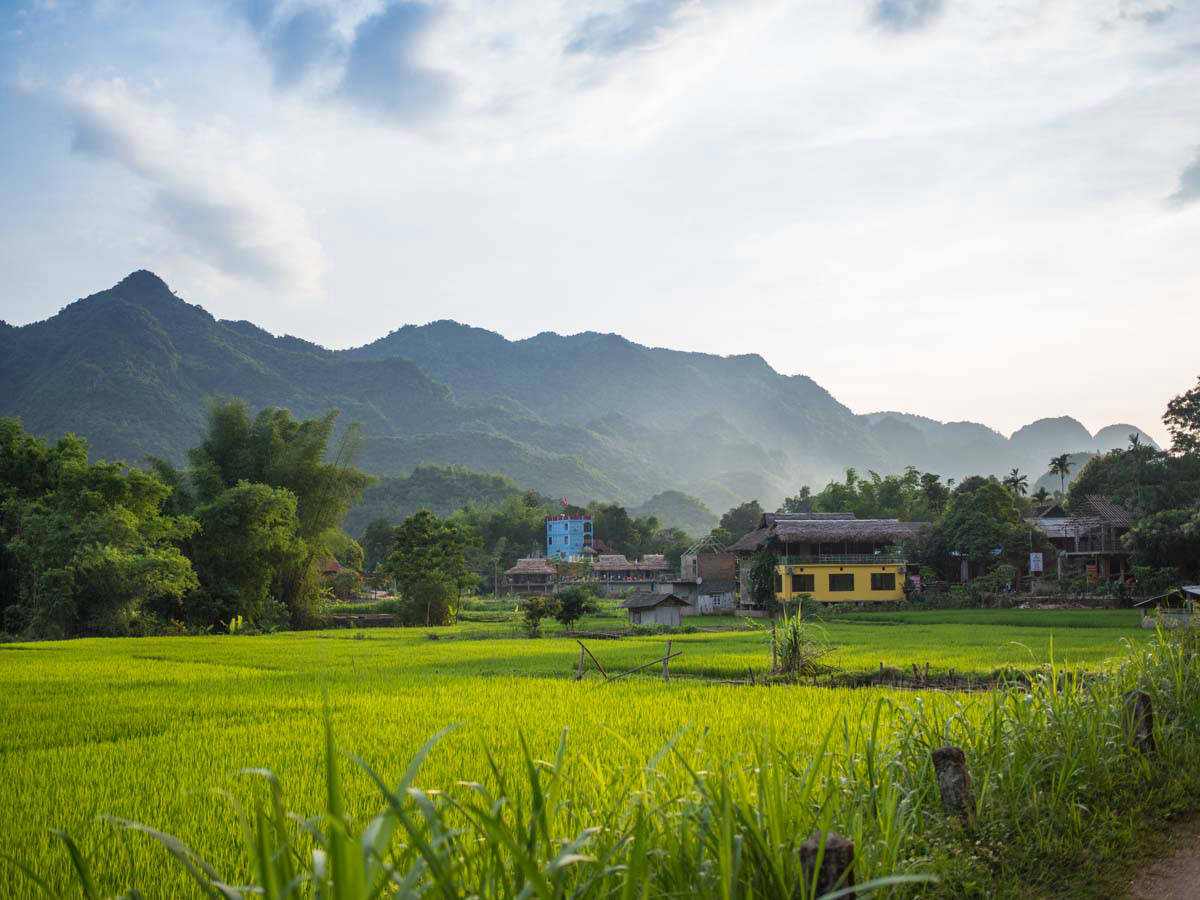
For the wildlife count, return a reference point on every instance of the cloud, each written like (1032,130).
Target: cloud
(299,42)
(212,205)
(904,15)
(382,71)
(1189,186)
(372,62)
(1148,12)
(638,24)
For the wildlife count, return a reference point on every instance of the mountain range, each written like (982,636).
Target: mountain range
(588,416)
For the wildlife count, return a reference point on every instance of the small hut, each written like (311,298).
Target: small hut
(1177,607)
(649,608)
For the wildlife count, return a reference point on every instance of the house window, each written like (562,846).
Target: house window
(778,583)
(841,582)
(804,584)
(883,581)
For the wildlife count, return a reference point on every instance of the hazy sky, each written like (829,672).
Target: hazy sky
(985,210)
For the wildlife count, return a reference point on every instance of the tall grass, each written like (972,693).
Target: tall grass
(1060,785)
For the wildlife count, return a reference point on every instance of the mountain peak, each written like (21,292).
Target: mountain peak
(143,280)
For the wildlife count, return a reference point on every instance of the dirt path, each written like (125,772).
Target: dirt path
(1174,877)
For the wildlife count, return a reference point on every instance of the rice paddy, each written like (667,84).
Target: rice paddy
(152,729)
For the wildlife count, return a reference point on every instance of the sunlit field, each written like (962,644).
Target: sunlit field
(150,728)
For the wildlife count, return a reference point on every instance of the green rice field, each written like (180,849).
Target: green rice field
(153,729)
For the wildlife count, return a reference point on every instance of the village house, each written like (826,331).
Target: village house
(1089,536)
(828,557)
(612,573)
(532,575)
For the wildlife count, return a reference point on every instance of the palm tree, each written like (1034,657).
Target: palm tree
(1041,495)
(1016,482)
(1061,466)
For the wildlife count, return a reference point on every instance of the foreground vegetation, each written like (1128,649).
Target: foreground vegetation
(689,783)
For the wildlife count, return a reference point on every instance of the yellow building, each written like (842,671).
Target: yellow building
(841,583)
(830,557)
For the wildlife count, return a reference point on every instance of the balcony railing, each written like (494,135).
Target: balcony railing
(843,559)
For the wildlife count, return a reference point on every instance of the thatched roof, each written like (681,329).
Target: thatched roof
(649,600)
(748,543)
(769,519)
(832,531)
(531,566)
(616,562)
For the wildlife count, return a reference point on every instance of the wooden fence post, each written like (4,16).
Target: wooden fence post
(954,783)
(837,863)
(666,661)
(1139,713)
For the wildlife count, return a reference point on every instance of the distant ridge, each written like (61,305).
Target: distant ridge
(592,416)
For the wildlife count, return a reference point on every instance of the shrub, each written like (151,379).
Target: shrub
(16,618)
(533,610)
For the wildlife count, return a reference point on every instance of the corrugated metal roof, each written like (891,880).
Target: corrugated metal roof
(1110,512)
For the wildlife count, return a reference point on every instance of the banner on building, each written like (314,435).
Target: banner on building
(1035,564)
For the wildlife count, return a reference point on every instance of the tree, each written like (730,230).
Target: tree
(376,542)
(742,519)
(279,451)
(1041,495)
(762,579)
(427,563)
(801,502)
(534,609)
(1182,419)
(573,604)
(935,493)
(85,546)
(612,524)
(248,537)
(1061,466)
(1017,483)
(1170,538)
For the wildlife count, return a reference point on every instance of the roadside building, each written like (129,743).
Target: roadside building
(650,608)
(828,557)
(612,573)
(532,575)
(1089,537)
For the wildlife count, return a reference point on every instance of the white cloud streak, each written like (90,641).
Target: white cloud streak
(203,186)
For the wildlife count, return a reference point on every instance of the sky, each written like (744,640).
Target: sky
(970,210)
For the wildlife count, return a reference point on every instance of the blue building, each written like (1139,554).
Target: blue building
(566,536)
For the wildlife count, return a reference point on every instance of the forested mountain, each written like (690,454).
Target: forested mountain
(589,416)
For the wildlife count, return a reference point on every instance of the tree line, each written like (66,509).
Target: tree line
(240,531)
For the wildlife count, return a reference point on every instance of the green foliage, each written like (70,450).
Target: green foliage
(1167,539)
(440,489)
(912,496)
(1140,478)
(573,604)
(534,609)
(248,539)
(428,565)
(345,584)
(762,579)
(742,519)
(1182,419)
(84,545)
